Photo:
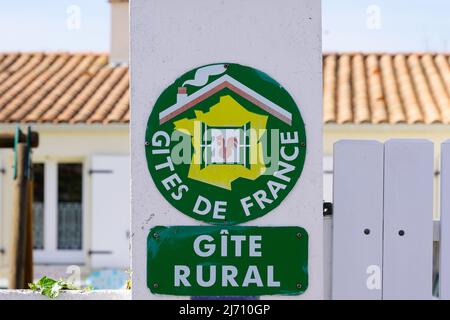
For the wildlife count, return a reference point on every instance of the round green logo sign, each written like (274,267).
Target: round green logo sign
(225,143)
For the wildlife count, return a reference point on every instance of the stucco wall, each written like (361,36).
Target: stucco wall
(435,133)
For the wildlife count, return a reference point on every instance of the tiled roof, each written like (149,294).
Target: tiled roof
(62,88)
(385,88)
(358,88)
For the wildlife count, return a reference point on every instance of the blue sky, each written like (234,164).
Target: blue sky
(50,25)
(348,25)
(404,25)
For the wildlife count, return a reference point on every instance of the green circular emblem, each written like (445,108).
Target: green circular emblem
(225,143)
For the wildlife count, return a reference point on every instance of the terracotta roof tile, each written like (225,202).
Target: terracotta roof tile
(387,88)
(329,88)
(65,106)
(7,60)
(391,91)
(23,103)
(121,110)
(11,101)
(14,67)
(47,109)
(429,108)
(29,108)
(361,110)
(126,116)
(344,93)
(376,96)
(107,87)
(437,87)
(357,88)
(106,106)
(82,91)
(413,110)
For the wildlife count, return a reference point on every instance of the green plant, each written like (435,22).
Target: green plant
(52,288)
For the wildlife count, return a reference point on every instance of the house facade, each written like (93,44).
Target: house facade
(382,97)
(79,104)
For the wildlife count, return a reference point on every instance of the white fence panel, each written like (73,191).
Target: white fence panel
(357,220)
(444,274)
(408,219)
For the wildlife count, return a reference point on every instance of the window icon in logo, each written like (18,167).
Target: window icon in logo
(225,145)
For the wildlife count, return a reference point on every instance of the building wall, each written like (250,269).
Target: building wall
(80,143)
(62,143)
(435,133)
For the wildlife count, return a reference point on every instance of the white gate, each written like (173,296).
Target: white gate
(383,220)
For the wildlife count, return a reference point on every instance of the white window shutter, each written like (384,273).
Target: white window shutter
(110,178)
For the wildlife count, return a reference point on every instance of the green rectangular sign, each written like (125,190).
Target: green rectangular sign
(227,261)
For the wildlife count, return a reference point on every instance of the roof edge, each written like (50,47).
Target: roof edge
(386,53)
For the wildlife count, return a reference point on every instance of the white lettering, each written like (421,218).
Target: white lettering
(202,200)
(181,274)
(166,164)
(237,244)
(286,138)
(171,181)
(275,187)
(280,174)
(261,198)
(212,276)
(254,246)
(270,281)
(252,276)
(245,205)
(210,248)
(229,273)
(224,243)
(219,207)
(161,138)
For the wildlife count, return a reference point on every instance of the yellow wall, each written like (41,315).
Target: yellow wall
(333,133)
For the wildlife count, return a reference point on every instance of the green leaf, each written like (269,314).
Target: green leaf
(52,288)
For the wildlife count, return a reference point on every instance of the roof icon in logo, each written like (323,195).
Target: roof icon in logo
(185,101)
